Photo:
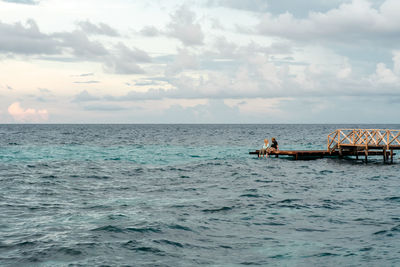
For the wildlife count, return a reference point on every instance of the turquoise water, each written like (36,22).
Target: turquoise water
(188,195)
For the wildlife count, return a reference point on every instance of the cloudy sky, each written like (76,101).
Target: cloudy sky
(205,61)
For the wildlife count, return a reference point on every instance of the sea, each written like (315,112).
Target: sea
(191,195)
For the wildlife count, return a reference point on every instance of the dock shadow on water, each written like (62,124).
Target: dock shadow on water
(188,195)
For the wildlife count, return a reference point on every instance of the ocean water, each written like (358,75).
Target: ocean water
(191,195)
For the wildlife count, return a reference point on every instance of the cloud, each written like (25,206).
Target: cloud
(184,28)
(385,76)
(20,114)
(357,20)
(84,96)
(249,5)
(125,60)
(214,111)
(103,107)
(86,74)
(44,90)
(87,82)
(81,46)
(25,2)
(149,31)
(182,61)
(99,29)
(72,46)
(27,40)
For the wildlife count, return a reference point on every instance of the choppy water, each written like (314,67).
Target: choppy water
(187,195)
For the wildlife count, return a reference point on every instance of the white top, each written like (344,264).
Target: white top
(265,146)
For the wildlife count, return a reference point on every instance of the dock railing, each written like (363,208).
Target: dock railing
(364,139)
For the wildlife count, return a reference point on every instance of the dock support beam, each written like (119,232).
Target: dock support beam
(384,155)
(391,156)
(366,156)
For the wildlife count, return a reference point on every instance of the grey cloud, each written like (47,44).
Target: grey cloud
(125,60)
(84,96)
(44,90)
(103,107)
(184,28)
(216,24)
(15,38)
(28,40)
(85,74)
(87,82)
(250,5)
(150,31)
(149,81)
(152,94)
(300,8)
(99,29)
(18,39)
(183,61)
(25,2)
(228,55)
(132,54)
(81,46)
(41,99)
(146,83)
(357,20)
(59,58)
(123,67)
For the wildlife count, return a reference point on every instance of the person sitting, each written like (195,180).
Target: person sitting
(265,149)
(274,146)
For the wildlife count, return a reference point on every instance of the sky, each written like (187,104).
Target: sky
(205,61)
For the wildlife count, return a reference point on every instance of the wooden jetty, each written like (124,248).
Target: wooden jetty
(351,142)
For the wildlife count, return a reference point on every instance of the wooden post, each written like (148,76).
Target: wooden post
(384,155)
(297,156)
(391,156)
(366,156)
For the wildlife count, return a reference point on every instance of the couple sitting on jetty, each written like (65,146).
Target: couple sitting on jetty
(267,149)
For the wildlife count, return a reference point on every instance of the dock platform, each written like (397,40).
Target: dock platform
(351,142)
(315,154)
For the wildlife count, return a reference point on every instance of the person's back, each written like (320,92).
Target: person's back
(274,144)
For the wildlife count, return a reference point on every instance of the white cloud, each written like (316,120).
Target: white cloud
(184,60)
(25,2)
(184,27)
(149,31)
(384,75)
(396,62)
(344,71)
(20,114)
(357,20)
(100,29)
(84,96)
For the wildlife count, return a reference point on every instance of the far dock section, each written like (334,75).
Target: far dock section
(352,142)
